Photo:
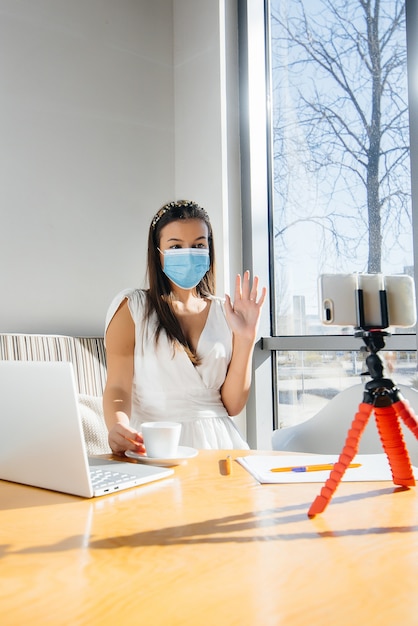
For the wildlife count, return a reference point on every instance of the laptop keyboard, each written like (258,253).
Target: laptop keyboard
(108,478)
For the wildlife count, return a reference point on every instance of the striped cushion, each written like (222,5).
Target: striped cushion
(87,354)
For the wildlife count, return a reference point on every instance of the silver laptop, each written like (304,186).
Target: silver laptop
(41,435)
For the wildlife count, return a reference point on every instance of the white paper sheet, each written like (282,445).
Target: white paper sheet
(374,467)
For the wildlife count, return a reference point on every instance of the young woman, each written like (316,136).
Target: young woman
(175,351)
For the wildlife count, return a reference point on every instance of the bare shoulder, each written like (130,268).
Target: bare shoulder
(120,334)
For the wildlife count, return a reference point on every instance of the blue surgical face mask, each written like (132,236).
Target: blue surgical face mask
(186,267)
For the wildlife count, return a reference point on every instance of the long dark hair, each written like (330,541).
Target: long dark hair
(159,292)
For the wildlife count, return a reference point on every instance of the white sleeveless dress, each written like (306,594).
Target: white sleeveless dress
(167,386)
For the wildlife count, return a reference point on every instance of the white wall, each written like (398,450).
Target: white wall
(207,163)
(207,122)
(86,153)
(108,109)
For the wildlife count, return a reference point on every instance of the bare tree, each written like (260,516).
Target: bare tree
(348,81)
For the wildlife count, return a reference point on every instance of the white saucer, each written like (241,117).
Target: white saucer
(184,453)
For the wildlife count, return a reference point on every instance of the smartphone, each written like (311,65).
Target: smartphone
(400,291)
(337,299)
(356,300)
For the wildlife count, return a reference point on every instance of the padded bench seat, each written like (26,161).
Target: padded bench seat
(88,356)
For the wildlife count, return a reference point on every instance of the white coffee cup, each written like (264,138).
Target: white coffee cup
(161,439)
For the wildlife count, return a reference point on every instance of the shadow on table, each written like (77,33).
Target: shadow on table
(248,527)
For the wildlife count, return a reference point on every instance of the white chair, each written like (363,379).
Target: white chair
(326,432)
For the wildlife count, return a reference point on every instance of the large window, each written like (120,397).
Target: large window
(339,178)
(340,137)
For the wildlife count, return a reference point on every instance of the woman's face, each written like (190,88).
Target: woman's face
(191,233)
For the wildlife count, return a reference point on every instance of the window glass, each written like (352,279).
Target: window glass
(340,182)
(307,380)
(340,150)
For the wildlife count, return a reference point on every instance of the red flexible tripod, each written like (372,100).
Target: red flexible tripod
(382,396)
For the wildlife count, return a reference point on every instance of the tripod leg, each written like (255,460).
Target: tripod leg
(405,412)
(394,445)
(348,453)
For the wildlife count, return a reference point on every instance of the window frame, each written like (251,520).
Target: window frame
(256,189)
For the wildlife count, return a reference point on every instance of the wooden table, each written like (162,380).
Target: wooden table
(204,548)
